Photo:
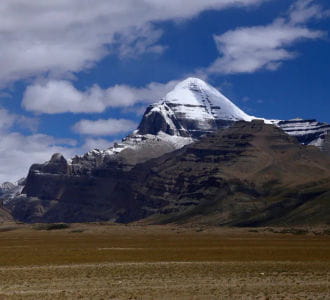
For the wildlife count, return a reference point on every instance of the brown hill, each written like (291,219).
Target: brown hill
(249,174)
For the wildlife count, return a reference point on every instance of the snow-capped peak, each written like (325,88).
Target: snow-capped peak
(197,100)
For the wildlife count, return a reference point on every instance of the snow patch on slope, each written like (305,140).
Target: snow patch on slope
(195,99)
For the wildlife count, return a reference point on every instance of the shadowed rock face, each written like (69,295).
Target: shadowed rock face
(4,214)
(124,184)
(248,174)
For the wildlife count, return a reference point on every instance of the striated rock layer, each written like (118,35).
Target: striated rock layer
(190,111)
(99,184)
(249,174)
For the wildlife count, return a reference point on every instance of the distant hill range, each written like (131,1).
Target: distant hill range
(195,157)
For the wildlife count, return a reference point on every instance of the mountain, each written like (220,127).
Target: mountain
(78,189)
(194,108)
(191,110)
(4,215)
(248,174)
(6,187)
(9,190)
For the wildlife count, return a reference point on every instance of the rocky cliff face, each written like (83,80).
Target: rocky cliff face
(190,111)
(307,132)
(9,190)
(5,215)
(195,108)
(249,174)
(5,190)
(98,185)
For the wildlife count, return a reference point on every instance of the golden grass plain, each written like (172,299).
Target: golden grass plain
(109,261)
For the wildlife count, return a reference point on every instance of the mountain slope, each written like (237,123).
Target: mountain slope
(87,187)
(9,190)
(191,110)
(4,216)
(249,174)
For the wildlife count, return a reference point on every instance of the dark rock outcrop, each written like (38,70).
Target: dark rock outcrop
(248,174)
(4,214)
(132,180)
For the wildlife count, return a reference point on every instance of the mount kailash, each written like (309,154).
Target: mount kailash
(185,115)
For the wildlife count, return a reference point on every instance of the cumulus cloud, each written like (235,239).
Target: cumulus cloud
(7,120)
(104,127)
(58,96)
(18,152)
(248,49)
(63,36)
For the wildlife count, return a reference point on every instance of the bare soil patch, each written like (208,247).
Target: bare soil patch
(108,261)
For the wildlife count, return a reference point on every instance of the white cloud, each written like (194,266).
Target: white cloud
(31,124)
(58,96)
(304,10)
(57,37)
(248,49)
(18,152)
(104,127)
(7,120)
(137,41)
(61,96)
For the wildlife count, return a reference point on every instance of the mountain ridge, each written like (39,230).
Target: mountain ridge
(250,174)
(192,109)
(192,112)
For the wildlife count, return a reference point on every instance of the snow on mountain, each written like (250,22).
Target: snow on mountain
(197,100)
(192,109)
(135,148)
(308,132)
(7,186)
(9,190)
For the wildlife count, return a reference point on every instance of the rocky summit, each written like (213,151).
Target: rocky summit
(195,157)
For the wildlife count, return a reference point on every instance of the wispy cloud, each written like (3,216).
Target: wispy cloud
(65,36)
(104,127)
(249,49)
(303,11)
(8,120)
(138,40)
(18,152)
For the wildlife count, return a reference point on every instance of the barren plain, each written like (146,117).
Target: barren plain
(109,261)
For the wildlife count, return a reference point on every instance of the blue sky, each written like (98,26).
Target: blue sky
(77,75)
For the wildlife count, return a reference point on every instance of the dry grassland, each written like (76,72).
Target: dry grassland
(107,261)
